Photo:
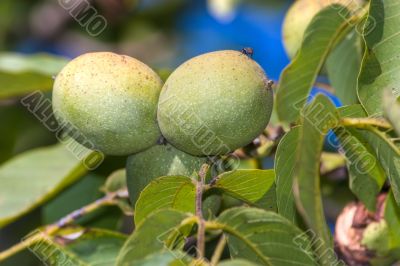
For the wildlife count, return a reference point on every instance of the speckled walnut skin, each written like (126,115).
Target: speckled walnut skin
(111,99)
(159,160)
(215,103)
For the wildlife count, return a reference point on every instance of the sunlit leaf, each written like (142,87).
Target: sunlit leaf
(380,67)
(167,192)
(246,185)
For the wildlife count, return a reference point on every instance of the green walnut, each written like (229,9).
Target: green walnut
(215,103)
(108,102)
(299,17)
(159,160)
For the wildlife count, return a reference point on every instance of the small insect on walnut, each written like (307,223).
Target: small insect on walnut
(248,51)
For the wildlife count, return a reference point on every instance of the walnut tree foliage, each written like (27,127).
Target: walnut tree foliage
(219,210)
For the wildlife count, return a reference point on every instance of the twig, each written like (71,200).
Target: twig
(107,200)
(51,229)
(199,211)
(218,250)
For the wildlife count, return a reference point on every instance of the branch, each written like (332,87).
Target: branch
(51,229)
(20,246)
(107,200)
(199,211)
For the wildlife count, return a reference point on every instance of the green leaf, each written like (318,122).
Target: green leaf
(299,77)
(237,262)
(264,237)
(317,118)
(167,192)
(151,236)
(164,258)
(343,66)
(392,217)
(78,246)
(45,64)
(14,85)
(268,201)
(366,176)
(15,138)
(352,111)
(380,67)
(98,246)
(285,160)
(22,74)
(9,134)
(246,185)
(31,178)
(391,107)
(388,155)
